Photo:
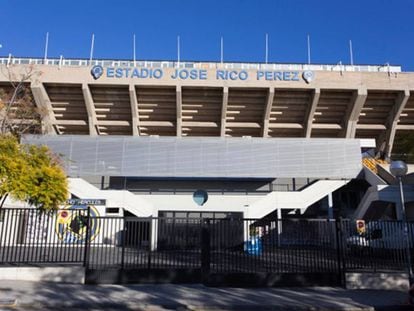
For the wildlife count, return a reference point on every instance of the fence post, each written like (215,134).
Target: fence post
(205,249)
(339,250)
(87,244)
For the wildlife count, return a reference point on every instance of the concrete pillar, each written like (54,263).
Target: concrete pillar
(179,110)
(224,111)
(330,206)
(279,226)
(267,111)
(154,231)
(311,112)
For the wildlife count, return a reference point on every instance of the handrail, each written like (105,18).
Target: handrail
(62,62)
(371,163)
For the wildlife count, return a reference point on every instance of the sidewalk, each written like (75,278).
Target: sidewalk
(22,295)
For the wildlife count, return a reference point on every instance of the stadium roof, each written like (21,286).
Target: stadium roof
(115,97)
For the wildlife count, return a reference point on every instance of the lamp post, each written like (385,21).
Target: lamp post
(399,169)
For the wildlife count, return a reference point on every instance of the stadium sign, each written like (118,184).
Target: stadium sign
(200,74)
(86,202)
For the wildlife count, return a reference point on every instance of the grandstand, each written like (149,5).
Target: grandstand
(258,139)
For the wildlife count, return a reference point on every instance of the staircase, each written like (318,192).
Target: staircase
(115,198)
(295,199)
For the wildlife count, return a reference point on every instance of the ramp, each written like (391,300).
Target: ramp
(119,198)
(295,199)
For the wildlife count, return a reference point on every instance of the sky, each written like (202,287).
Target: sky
(382,31)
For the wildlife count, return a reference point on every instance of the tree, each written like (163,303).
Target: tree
(18,111)
(404,147)
(32,174)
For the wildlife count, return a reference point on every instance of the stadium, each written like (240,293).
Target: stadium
(208,140)
(257,138)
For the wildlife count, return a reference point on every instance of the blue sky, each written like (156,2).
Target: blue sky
(381,31)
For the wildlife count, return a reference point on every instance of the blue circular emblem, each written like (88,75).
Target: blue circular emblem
(200,197)
(308,76)
(97,71)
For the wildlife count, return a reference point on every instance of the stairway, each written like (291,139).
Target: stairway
(294,199)
(115,198)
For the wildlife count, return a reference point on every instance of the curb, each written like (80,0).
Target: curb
(189,307)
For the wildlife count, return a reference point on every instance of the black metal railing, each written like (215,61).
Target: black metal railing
(211,246)
(380,246)
(28,236)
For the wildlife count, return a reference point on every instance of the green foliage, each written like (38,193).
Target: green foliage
(32,174)
(404,147)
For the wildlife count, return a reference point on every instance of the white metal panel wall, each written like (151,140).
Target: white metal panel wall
(206,156)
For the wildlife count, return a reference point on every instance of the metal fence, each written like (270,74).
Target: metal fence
(381,246)
(28,236)
(204,247)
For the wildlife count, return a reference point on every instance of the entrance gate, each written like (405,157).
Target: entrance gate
(230,251)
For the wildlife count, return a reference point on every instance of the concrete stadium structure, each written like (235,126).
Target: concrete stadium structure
(243,113)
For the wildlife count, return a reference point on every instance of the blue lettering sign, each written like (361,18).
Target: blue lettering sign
(295,76)
(158,73)
(110,72)
(243,75)
(220,75)
(203,74)
(119,73)
(135,73)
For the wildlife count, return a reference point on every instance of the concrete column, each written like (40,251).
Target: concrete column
(134,110)
(358,101)
(179,110)
(90,108)
(224,111)
(279,225)
(330,206)
(45,108)
(154,237)
(267,111)
(311,112)
(394,117)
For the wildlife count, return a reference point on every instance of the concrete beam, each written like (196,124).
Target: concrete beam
(351,119)
(405,127)
(243,125)
(286,125)
(200,124)
(311,112)
(45,108)
(224,111)
(327,126)
(179,101)
(90,108)
(393,119)
(134,110)
(268,109)
(71,122)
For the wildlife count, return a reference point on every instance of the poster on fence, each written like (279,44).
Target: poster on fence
(73,225)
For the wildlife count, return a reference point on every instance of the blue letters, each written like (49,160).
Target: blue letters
(119,73)
(201,74)
(157,73)
(232,75)
(135,73)
(278,75)
(110,72)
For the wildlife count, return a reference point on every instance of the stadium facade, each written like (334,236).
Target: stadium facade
(195,139)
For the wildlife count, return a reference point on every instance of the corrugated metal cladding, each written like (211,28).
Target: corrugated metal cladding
(206,157)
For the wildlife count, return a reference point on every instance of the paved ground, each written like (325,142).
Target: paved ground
(23,295)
